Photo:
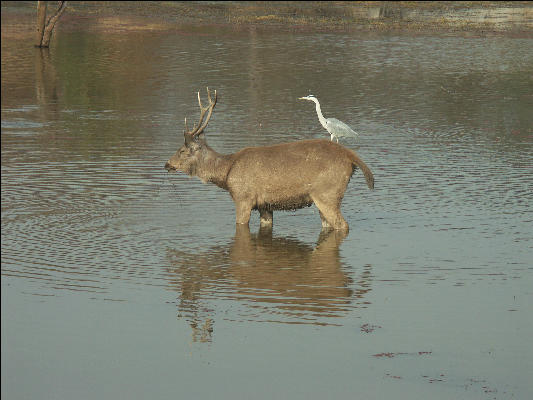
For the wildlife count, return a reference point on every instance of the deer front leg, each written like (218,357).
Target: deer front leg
(325,223)
(243,210)
(266,217)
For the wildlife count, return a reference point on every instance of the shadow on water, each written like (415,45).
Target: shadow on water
(278,279)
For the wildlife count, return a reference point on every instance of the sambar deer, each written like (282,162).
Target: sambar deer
(284,176)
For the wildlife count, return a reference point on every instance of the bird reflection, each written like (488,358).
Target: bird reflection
(272,278)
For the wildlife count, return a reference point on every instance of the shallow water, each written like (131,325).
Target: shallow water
(122,281)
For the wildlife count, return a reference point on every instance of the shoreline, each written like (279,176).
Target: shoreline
(461,18)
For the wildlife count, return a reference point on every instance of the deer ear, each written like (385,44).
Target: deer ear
(188,139)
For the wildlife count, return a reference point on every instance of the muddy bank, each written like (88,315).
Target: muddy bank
(485,17)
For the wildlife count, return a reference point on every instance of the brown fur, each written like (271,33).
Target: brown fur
(280,177)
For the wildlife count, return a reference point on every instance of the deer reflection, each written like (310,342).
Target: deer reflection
(272,278)
(288,272)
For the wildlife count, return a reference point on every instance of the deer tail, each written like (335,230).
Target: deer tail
(357,162)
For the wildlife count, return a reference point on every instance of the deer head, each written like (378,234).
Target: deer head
(191,155)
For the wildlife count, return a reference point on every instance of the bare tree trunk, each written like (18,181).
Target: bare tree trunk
(41,22)
(44,28)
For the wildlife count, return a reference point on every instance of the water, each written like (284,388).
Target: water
(122,281)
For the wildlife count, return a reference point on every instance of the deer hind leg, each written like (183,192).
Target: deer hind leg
(266,217)
(330,214)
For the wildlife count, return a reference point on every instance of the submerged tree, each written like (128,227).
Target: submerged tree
(44,27)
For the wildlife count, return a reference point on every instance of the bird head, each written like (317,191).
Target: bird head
(309,97)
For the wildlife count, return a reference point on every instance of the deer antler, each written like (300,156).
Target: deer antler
(199,128)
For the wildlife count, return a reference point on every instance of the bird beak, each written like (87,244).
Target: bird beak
(302,98)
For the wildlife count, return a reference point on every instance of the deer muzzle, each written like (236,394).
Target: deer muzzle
(169,167)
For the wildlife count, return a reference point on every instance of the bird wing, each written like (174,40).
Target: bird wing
(339,128)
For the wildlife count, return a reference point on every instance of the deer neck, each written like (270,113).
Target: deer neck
(214,168)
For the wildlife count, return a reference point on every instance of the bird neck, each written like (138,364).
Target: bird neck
(319,113)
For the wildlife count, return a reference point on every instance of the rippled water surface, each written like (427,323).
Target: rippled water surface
(122,281)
